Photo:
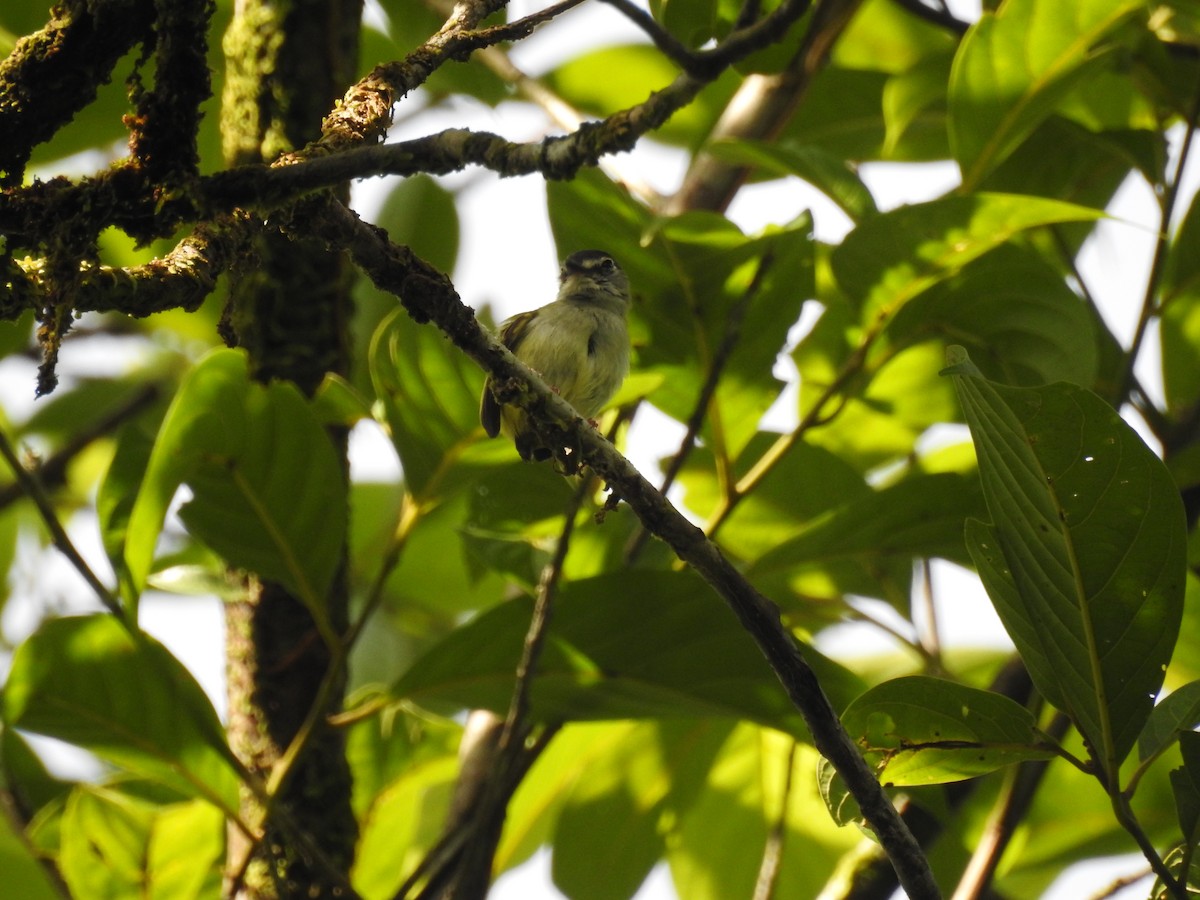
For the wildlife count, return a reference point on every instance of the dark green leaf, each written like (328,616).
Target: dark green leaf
(1185,783)
(420,213)
(1178,712)
(1084,560)
(920,516)
(1015,315)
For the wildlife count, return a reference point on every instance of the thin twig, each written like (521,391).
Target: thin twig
(1161,248)
(539,622)
(33,489)
(52,470)
(768,871)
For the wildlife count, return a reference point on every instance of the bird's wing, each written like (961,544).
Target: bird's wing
(513,332)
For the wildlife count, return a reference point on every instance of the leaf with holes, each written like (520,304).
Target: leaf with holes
(1084,557)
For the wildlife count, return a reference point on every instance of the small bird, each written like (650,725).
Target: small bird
(579,344)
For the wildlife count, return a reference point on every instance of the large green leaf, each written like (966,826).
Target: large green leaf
(1084,559)
(921,730)
(1013,68)
(268,493)
(892,258)
(90,682)
(625,645)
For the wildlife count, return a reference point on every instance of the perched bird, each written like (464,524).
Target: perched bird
(579,344)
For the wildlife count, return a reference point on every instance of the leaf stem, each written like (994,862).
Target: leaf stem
(1127,820)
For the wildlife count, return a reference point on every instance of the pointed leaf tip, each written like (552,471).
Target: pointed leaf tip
(958,362)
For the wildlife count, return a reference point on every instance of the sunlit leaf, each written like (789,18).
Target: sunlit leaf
(892,258)
(401,825)
(1015,65)
(745,796)
(920,730)
(613,819)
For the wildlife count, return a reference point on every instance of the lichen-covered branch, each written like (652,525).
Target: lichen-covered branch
(52,74)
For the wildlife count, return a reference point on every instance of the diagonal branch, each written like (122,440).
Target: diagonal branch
(429,296)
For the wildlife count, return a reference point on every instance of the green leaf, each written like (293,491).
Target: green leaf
(1185,783)
(829,174)
(915,95)
(891,258)
(742,801)
(420,214)
(614,818)
(430,397)
(1015,66)
(918,517)
(268,492)
(117,845)
(402,824)
(1084,560)
(89,682)
(921,730)
(1180,320)
(1178,712)
(1014,314)
(117,495)
(624,645)
(24,876)
(104,840)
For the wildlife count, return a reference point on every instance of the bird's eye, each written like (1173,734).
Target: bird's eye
(607,265)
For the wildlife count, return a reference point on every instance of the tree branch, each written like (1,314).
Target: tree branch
(52,74)
(429,296)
